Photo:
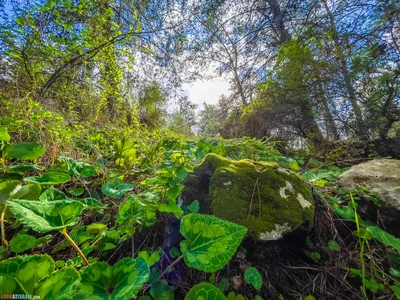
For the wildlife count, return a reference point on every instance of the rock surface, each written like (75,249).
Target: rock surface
(382,178)
(270,201)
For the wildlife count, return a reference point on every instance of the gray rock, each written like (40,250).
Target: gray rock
(382,178)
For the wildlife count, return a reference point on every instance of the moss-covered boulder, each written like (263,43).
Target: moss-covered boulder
(269,200)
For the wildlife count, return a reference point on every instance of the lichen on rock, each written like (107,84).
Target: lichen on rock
(269,200)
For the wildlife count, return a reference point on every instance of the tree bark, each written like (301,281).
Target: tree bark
(361,132)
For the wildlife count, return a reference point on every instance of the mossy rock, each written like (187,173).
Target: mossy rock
(269,200)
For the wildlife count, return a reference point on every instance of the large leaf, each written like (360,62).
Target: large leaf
(59,285)
(44,216)
(384,237)
(49,178)
(8,189)
(21,168)
(210,242)
(52,194)
(116,191)
(25,151)
(122,281)
(22,242)
(76,167)
(136,210)
(205,291)
(21,274)
(28,192)
(34,275)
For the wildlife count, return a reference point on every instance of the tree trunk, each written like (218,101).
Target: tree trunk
(361,132)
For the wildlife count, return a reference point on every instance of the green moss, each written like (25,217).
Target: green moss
(233,190)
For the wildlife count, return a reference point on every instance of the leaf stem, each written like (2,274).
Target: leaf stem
(76,247)
(170,266)
(3,232)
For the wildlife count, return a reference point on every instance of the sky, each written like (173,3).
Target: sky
(207,91)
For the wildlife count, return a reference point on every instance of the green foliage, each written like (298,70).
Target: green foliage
(161,290)
(8,189)
(25,151)
(194,207)
(205,291)
(52,194)
(122,281)
(28,192)
(49,178)
(150,259)
(210,242)
(253,277)
(22,242)
(44,216)
(334,246)
(116,191)
(384,237)
(34,275)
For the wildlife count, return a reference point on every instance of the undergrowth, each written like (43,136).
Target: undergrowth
(96,213)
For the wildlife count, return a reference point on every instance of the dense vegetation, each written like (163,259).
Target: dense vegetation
(97,140)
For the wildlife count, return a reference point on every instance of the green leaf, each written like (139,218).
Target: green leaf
(205,291)
(334,246)
(8,189)
(161,290)
(373,286)
(309,297)
(28,192)
(133,208)
(396,290)
(44,216)
(253,277)
(319,182)
(346,212)
(394,272)
(174,252)
(21,168)
(194,207)
(4,136)
(182,174)
(210,242)
(52,194)
(122,281)
(116,191)
(173,193)
(60,285)
(294,165)
(21,274)
(109,246)
(96,228)
(152,259)
(22,242)
(223,285)
(384,237)
(76,191)
(25,151)
(171,208)
(49,178)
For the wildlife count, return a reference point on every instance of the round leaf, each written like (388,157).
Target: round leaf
(253,277)
(60,285)
(205,291)
(22,242)
(25,151)
(210,242)
(125,279)
(49,178)
(21,274)
(45,216)
(52,194)
(116,191)
(76,191)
